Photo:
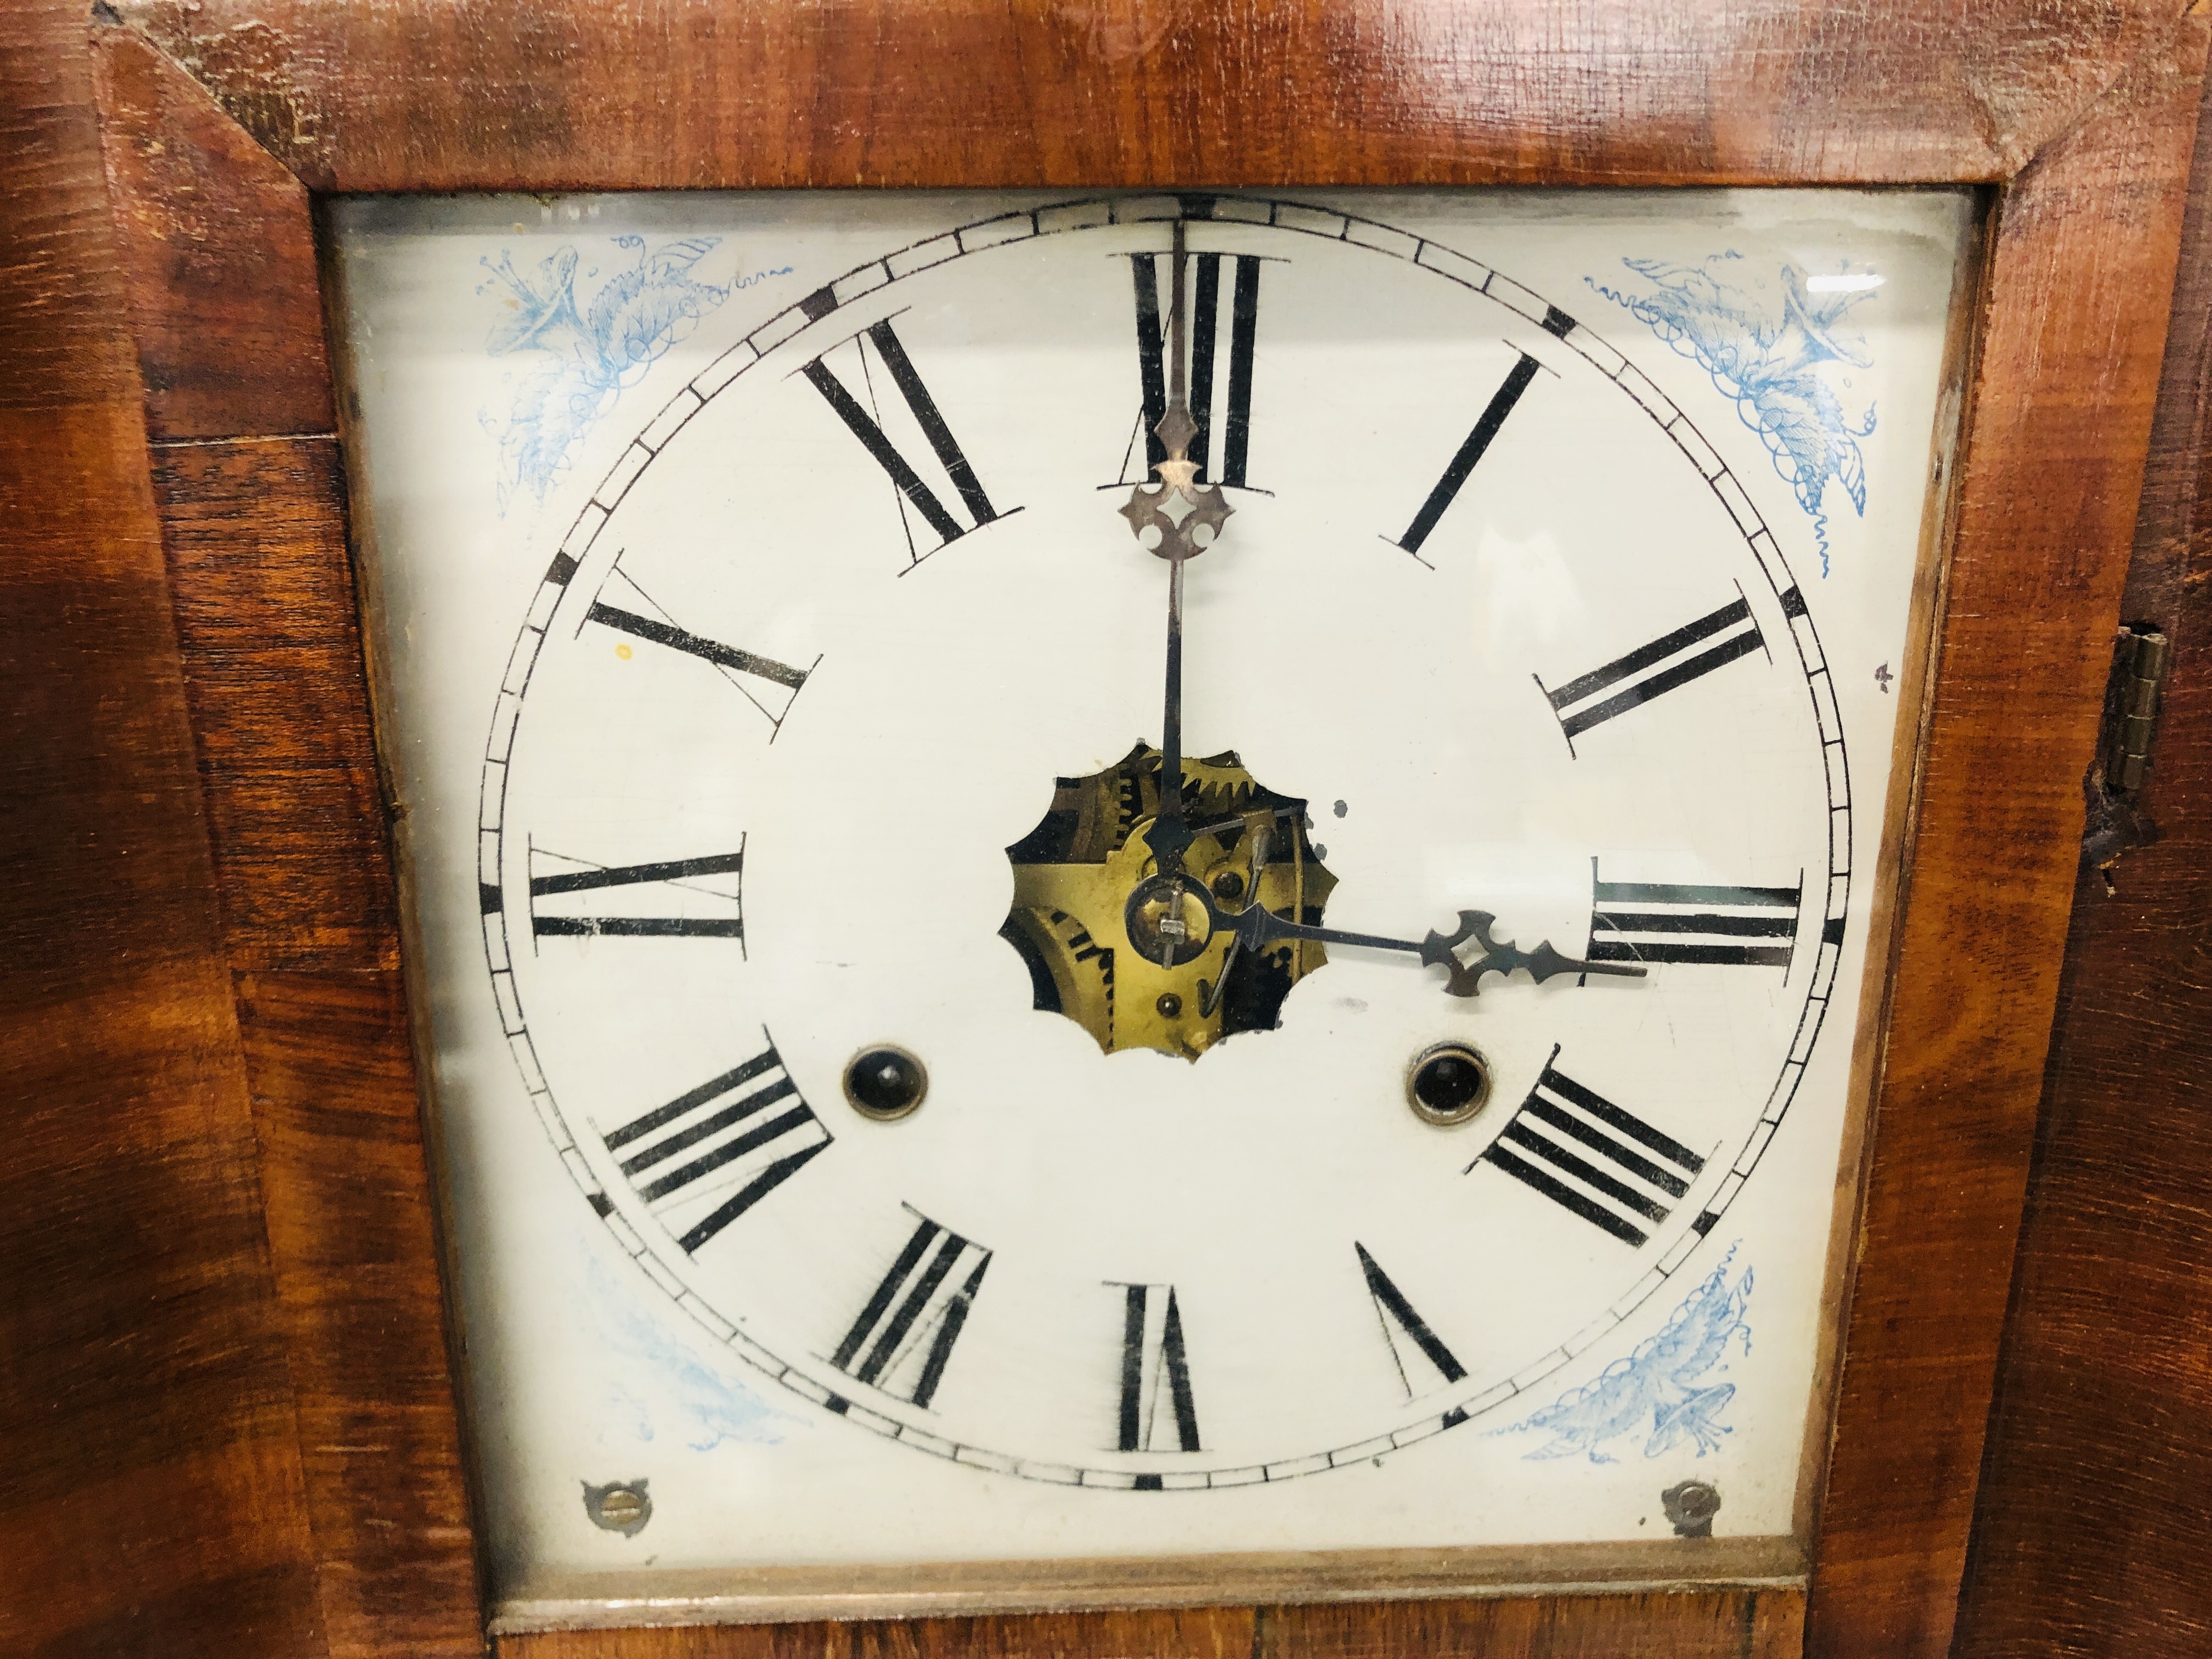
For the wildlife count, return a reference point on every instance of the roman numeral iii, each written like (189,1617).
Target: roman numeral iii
(1593,1159)
(1667,921)
(904,1334)
(681,898)
(1155,1375)
(1214,362)
(1670,661)
(746,1130)
(892,356)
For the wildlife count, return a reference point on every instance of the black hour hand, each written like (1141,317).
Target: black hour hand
(1543,963)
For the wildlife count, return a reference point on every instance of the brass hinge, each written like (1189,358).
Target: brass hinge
(2117,821)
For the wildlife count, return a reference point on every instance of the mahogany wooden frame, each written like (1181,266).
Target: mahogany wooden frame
(222,121)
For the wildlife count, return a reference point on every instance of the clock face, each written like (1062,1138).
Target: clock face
(1136,845)
(1502,900)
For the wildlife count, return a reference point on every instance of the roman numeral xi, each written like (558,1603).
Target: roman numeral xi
(707,1156)
(1593,1159)
(868,428)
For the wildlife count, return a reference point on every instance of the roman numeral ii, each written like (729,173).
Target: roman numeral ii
(1212,363)
(1670,661)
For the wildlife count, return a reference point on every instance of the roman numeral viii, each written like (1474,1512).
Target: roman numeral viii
(570,898)
(1208,369)
(746,1130)
(1651,671)
(1592,1159)
(866,428)
(1155,1374)
(1667,921)
(904,1335)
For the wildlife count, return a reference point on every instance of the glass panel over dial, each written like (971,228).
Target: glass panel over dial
(1133,875)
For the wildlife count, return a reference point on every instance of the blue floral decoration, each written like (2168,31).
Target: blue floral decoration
(1772,352)
(587,350)
(1664,1381)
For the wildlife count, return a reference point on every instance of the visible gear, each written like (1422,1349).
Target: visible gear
(1074,875)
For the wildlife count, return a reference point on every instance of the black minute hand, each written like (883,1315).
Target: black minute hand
(1178,508)
(1256,926)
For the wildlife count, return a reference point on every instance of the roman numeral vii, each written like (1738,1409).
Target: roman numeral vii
(922,406)
(903,1337)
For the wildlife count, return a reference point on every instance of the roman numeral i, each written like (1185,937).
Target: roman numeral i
(747,1130)
(1593,1159)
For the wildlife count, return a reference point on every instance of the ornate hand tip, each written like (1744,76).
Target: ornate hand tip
(1176,429)
(1543,963)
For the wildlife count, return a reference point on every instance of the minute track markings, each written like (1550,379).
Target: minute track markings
(1070,219)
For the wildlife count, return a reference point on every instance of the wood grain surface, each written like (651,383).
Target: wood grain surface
(160,1387)
(1709,1625)
(218,254)
(151,1493)
(2080,280)
(219,250)
(2094,1531)
(568,95)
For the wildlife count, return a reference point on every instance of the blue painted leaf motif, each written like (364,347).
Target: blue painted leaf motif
(1773,364)
(1663,1382)
(584,359)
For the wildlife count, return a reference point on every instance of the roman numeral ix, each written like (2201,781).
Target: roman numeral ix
(1155,1373)
(1205,354)
(864,426)
(551,916)
(747,1130)
(1651,670)
(1667,921)
(1592,1159)
(904,1335)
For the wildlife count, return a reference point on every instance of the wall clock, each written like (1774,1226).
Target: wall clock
(1418,415)
(933,1073)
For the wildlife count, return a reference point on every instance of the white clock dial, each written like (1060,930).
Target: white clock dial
(1491,629)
